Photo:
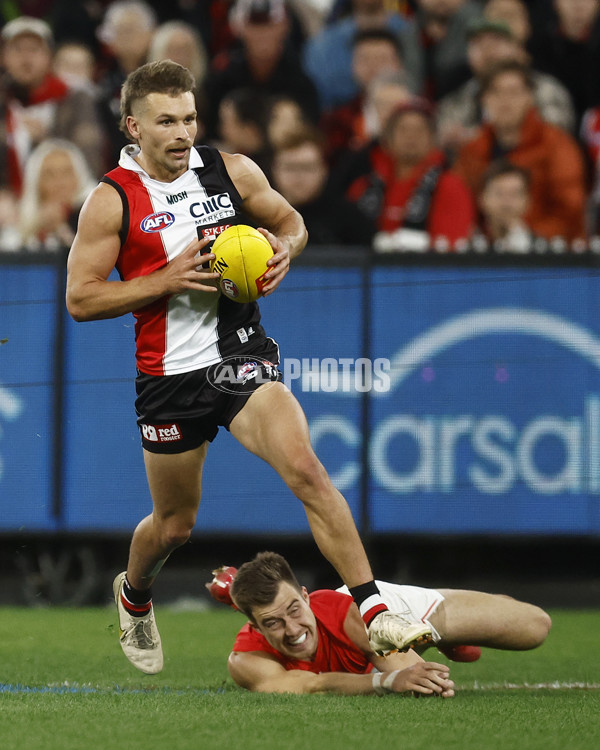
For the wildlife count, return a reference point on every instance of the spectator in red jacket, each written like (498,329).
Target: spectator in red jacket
(514,130)
(410,186)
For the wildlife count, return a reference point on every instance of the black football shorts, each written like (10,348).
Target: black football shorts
(177,413)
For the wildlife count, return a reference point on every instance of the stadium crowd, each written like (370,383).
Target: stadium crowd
(397,124)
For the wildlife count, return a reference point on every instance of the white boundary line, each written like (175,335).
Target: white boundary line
(75,688)
(534,686)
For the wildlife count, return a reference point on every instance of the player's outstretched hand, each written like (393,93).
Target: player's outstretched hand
(189,271)
(425,678)
(279,264)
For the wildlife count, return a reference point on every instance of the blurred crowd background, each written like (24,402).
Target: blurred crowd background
(394,124)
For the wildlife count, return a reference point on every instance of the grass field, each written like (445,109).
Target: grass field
(64,683)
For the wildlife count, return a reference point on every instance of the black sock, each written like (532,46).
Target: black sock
(136,602)
(368,600)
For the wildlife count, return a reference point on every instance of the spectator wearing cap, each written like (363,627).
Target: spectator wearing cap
(328,55)
(264,61)
(567,45)
(515,131)
(490,42)
(35,104)
(375,52)
(435,45)
(410,191)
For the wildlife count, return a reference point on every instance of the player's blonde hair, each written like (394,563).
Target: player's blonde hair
(257,582)
(160,77)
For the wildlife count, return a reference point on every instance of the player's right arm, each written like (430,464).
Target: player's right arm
(95,249)
(261,673)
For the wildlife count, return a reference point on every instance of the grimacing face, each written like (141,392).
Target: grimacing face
(165,128)
(288,623)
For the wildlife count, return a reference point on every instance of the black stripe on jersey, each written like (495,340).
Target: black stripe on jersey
(214,175)
(231,316)
(124,230)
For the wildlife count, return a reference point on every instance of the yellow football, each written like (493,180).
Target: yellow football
(241,255)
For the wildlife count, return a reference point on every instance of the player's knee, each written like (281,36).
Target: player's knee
(306,474)
(175,532)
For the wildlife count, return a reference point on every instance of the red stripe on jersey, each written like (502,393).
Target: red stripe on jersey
(141,254)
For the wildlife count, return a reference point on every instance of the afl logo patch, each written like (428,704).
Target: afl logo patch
(157,222)
(229,288)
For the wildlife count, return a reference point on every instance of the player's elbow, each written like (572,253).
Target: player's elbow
(77,312)
(538,627)
(78,304)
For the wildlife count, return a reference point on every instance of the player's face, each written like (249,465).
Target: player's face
(288,623)
(165,128)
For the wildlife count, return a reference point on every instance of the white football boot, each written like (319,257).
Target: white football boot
(140,639)
(391,631)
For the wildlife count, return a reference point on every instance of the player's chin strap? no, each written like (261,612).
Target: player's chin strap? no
(384,687)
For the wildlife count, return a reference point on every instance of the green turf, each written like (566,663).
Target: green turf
(194,704)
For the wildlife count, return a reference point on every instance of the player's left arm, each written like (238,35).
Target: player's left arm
(281,224)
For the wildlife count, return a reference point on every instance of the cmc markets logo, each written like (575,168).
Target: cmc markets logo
(495,451)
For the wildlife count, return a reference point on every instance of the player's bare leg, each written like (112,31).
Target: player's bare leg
(175,485)
(273,426)
(492,620)
(175,482)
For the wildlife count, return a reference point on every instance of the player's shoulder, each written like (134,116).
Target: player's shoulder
(327,604)
(105,196)
(245,174)
(103,207)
